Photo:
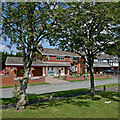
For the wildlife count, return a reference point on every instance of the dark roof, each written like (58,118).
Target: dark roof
(105,56)
(49,51)
(19,61)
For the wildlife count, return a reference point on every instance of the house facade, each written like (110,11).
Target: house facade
(54,62)
(105,62)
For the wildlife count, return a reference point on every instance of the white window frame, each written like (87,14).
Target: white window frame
(60,58)
(72,58)
(47,57)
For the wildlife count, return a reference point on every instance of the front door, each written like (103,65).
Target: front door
(20,72)
(37,71)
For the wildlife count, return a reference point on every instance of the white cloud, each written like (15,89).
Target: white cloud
(3,48)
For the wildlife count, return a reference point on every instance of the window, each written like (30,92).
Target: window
(104,60)
(47,57)
(11,68)
(72,58)
(95,60)
(52,68)
(100,60)
(75,68)
(60,58)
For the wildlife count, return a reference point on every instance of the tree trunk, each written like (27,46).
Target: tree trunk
(22,92)
(91,77)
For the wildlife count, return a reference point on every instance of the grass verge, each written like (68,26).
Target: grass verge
(88,79)
(81,106)
(9,86)
(108,85)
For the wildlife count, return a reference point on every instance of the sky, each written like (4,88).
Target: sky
(6,49)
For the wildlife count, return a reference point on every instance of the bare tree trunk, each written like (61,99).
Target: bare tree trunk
(92,80)
(91,77)
(22,92)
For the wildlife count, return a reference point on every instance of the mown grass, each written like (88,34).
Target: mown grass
(81,106)
(108,85)
(56,94)
(9,86)
(88,79)
(43,96)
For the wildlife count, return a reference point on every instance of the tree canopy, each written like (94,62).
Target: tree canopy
(85,28)
(26,24)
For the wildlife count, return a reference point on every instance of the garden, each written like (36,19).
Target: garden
(67,104)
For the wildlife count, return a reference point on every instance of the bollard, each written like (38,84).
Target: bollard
(15,87)
(50,96)
(104,88)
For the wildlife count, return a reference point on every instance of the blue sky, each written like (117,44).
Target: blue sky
(4,48)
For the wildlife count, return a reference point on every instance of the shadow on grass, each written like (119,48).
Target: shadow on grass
(81,100)
(72,101)
(109,94)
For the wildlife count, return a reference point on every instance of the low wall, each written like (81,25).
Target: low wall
(84,77)
(6,80)
(10,80)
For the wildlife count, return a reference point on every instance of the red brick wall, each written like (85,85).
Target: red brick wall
(41,80)
(9,80)
(82,66)
(82,77)
(67,59)
(2,72)
(11,72)
(53,59)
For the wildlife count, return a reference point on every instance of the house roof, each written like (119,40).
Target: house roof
(16,61)
(19,61)
(105,56)
(49,51)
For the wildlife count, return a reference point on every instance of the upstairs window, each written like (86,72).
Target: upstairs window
(104,60)
(47,57)
(11,68)
(60,58)
(72,58)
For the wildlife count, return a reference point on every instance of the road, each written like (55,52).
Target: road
(47,88)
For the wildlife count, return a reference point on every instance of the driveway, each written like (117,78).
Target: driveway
(47,88)
(51,79)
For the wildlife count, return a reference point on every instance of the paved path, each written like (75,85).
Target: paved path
(47,88)
(51,79)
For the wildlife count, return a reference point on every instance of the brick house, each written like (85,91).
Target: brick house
(54,62)
(105,62)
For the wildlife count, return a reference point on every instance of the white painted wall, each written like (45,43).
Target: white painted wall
(63,71)
(116,64)
(68,72)
(43,71)
(56,71)
(104,60)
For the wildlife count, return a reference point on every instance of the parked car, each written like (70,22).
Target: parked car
(50,73)
(110,71)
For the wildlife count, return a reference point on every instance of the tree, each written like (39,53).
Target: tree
(115,50)
(26,25)
(86,29)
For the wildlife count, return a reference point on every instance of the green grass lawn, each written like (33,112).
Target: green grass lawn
(88,79)
(9,86)
(42,96)
(81,106)
(108,85)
